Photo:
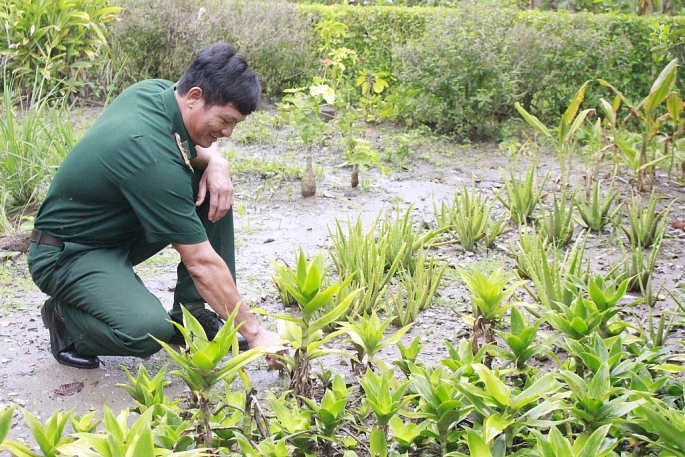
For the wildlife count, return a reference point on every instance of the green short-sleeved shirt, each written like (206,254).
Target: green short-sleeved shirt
(127,176)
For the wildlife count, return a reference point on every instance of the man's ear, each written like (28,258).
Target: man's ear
(194,97)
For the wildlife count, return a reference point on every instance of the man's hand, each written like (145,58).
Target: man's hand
(217,181)
(268,339)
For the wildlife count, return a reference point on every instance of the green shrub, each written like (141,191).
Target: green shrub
(59,39)
(159,38)
(461,70)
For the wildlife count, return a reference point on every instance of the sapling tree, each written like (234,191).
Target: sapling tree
(302,108)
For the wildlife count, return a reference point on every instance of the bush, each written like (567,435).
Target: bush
(461,71)
(59,40)
(473,63)
(159,38)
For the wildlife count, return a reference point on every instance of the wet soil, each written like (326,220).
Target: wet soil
(272,220)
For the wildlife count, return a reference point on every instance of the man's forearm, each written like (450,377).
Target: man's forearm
(215,284)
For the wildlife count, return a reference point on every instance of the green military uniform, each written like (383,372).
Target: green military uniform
(123,193)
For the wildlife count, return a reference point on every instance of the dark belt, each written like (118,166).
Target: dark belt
(44,238)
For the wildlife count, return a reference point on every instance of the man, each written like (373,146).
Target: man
(147,174)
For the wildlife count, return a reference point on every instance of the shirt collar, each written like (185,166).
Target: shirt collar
(174,112)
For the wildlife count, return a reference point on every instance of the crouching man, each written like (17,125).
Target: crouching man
(147,174)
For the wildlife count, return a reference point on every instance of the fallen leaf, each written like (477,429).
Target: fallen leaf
(69,389)
(5,323)
(678,224)
(269,240)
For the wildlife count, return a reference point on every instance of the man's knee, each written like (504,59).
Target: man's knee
(137,339)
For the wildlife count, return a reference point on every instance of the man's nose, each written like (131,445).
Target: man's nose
(227,131)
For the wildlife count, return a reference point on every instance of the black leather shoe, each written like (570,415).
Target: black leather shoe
(211,323)
(61,343)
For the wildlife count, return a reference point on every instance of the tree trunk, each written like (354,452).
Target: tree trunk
(308,180)
(355,176)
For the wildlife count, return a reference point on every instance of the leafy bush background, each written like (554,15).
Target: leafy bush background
(457,69)
(159,38)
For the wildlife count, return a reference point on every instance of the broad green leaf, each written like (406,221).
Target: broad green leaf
(618,93)
(335,313)
(313,282)
(661,88)
(318,301)
(601,383)
(533,121)
(561,446)
(594,443)
(669,368)
(579,326)
(609,112)
(572,109)
(477,446)
(291,332)
(301,267)
(494,385)
(666,430)
(577,123)
(674,105)
(542,386)
(494,425)
(6,421)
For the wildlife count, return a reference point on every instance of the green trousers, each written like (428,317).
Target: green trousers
(105,305)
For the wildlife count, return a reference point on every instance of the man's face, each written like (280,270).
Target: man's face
(207,125)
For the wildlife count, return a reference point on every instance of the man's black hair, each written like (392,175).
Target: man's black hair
(224,78)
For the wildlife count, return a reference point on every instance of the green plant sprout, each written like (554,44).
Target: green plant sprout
(331,415)
(595,401)
(49,436)
(563,136)
(490,300)
(503,410)
(523,197)
(520,340)
(118,439)
(555,445)
(552,275)
(647,226)
(199,362)
(440,404)
(362,259)
(556,225)
(85,423)
(305,334)
(415,291)
(595,213)
(366,335)
(385,395)
(294,423)
(466,218)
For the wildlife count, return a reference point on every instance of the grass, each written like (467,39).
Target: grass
(14,284)
(35,139)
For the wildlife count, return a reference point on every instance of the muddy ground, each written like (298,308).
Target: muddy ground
(271,221)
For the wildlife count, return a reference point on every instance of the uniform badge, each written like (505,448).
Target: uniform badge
(184,152)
